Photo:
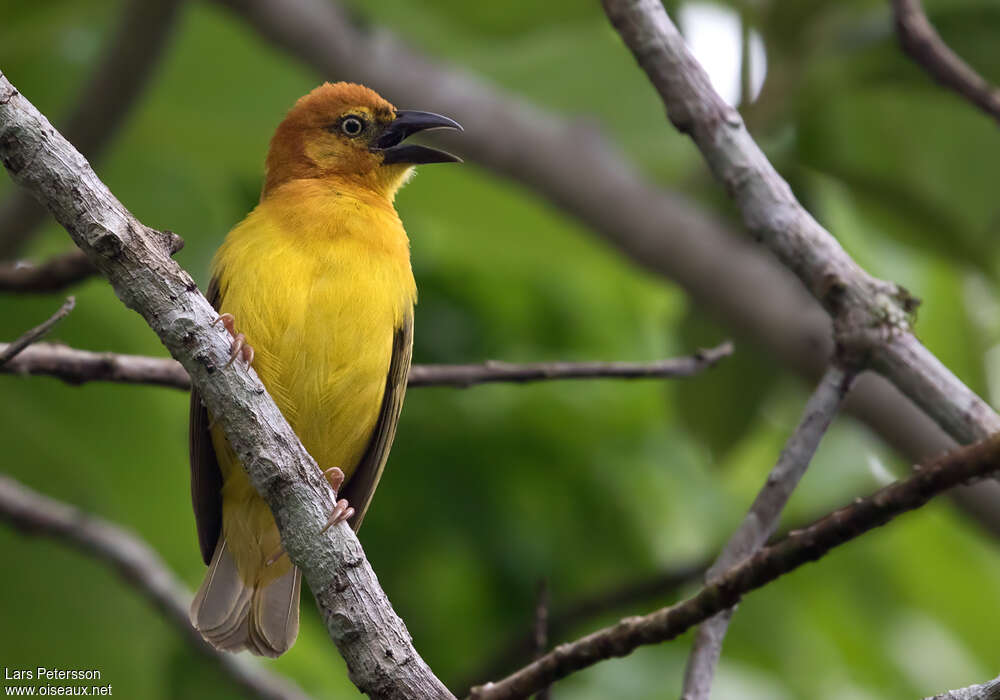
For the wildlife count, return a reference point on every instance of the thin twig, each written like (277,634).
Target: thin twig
(118,79)
(81,366)
(762,520)
(541,629)
(723,592)
(493,371)
(11,350)
(139,567)
(990,690)
(623,597)
(57,273)
(925,46)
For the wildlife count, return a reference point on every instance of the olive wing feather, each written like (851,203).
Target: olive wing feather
(206,478)
(361,486)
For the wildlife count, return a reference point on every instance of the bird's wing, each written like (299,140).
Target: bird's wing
(206,479)
(361,486)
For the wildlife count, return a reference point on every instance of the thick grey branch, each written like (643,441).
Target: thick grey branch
(80,366)
(925,46)
(870,315)
(769,208)
(373,640)
(132,560)
(579,170)
(990,690)
(762,520)
(12,350)
(768,564)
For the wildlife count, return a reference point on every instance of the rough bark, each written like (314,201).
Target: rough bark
(373,640)
(990,690)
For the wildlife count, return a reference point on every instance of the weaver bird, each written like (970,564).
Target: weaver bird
(317,281)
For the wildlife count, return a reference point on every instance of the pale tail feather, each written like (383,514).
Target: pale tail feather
(232,616)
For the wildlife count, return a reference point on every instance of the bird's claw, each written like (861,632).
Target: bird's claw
(240,346)
(335,477)
(342,510)
(275,556)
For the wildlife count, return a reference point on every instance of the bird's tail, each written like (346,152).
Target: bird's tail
(232,616)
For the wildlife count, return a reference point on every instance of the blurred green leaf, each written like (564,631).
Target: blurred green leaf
(587,484)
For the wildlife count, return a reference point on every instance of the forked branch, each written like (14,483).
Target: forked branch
(763,518)
(10,351)
(871,316)
(723,592)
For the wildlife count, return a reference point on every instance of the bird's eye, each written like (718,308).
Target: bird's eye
(352,126)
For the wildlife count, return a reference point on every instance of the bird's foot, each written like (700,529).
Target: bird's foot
(342,510)
(275,556)
(335,477)
(240,346)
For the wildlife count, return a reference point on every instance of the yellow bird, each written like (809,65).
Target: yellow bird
(317,279)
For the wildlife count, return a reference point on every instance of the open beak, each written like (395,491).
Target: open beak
(406,123)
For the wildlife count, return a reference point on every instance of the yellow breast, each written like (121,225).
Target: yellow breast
(318,279)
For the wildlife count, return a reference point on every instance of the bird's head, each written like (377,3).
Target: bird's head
(347,132)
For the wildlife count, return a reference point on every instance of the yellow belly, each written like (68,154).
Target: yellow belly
(319,298)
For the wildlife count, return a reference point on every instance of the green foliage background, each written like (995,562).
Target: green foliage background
(588,485)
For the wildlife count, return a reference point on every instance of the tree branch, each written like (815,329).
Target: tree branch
(871,316)
(493,371)
(57,273)
(132,560)
(724,591)
(117,81)
(576,168)
(80,366)
(762,520)
(924,45)
(540,630)
(12,350)
(519,650)
(990,690)
(372,639)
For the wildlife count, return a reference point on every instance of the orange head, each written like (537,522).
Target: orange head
(343,131)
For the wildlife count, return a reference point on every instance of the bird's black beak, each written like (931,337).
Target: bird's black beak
(409,122)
